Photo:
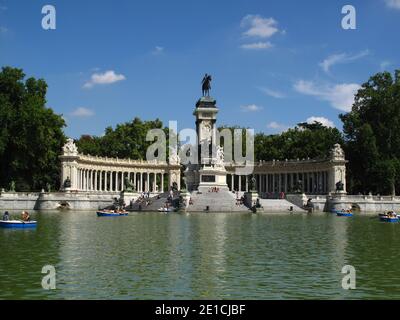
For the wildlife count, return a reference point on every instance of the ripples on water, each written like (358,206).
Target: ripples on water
(200,256)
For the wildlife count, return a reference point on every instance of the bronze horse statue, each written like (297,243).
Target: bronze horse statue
(206,85)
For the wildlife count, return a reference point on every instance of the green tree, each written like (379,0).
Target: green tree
(372,135)
(31,134)
(127,140)
(303,141)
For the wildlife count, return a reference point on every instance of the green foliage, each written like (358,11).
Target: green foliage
(127,140)
(304,141)
(31,135)
(372,135)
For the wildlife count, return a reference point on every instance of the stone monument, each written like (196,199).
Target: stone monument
(338,175)
(69,171)
(251,197)
(128,194)
(209,171)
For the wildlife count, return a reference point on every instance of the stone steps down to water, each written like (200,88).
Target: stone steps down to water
(279,205)
(222,201)
(156,203)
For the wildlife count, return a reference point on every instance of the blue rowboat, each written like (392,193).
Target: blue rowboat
(17,224)
(387,219)
(384,218)
(344,214)
(111,214)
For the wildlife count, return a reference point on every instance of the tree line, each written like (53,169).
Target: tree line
(31,136)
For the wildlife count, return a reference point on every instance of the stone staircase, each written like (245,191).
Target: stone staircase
(222,201)
(279,205)
(156,202)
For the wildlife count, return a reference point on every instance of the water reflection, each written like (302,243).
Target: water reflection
(200,256)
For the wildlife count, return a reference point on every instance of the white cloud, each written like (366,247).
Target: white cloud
(393,4)
(107,77)
(258,26)
(340,59)
(251,108)
(277,127)
(272,93)
(158,50)
(324,121)
(82,113)
(340,96)
(257,45)
(385,64)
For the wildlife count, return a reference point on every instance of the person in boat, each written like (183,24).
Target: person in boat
(6,216)
(25,216)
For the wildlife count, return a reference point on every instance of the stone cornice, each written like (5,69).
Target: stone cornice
(290,165)
(88,160)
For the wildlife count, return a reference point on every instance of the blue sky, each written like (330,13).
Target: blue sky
(274,63)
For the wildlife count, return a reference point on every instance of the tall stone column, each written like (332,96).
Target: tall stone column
(285,182)
(95,180)
(91,180)
(279,182)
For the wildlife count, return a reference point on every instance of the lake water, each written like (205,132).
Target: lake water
(201,256)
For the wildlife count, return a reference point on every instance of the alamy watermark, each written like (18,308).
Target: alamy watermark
(349,21)
(187,148)
(49,20)
(349,280)
(49,280)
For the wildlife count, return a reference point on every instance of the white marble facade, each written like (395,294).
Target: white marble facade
(316,176)
(101,174)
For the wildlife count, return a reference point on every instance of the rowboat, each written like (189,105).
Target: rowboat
(111,214)
(343,212)
(165,209)
(18,224)
(389,219)
(393,217)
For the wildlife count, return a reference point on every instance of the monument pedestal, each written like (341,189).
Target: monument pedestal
(250,198)
(210,170)
(212,177)
(184,199)
(127,197)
